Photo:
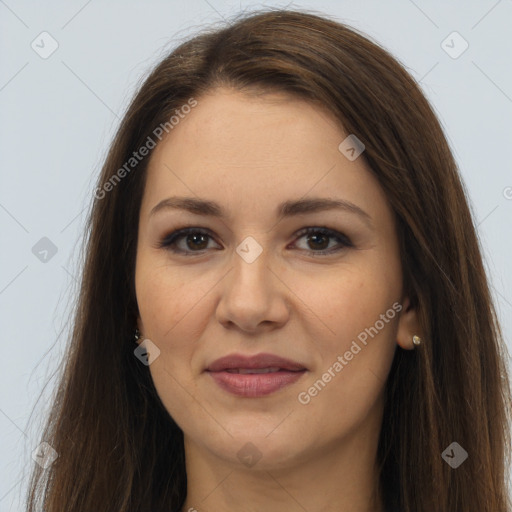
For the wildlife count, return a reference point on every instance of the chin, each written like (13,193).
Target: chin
(259,451)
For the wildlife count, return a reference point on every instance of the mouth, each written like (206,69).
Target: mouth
(247,371)
(255,383)
(265,362)
(254,376)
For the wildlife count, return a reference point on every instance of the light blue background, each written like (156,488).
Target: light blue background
(57,117)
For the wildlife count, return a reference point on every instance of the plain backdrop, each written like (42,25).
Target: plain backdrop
(59,111)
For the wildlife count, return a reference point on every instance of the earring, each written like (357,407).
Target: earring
(416,340)
(138,335)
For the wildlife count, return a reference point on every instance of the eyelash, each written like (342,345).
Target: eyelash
(169,242)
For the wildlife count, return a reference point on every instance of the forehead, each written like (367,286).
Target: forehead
(229,123)
(249,151)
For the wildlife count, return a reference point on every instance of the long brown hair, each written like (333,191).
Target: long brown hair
(119,449)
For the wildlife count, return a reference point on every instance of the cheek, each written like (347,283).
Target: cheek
(175,311)
(344,301)
(357,322)
(171,311)
(167,297)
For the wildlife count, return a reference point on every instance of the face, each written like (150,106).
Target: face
(319,286)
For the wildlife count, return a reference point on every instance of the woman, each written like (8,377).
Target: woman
(283,304)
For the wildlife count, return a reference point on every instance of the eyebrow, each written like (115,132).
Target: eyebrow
(286,209)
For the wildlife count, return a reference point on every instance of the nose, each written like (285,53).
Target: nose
(253,297)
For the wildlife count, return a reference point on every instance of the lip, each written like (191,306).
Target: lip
(263,360)
(256,384)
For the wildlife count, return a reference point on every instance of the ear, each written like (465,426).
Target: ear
(408,326)
(140,327)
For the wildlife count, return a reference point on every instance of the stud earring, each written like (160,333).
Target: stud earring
(416,340)
(138,335)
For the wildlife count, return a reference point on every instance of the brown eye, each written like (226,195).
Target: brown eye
(195,241)
(318,239)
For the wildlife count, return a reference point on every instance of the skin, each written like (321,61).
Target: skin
(249,154)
